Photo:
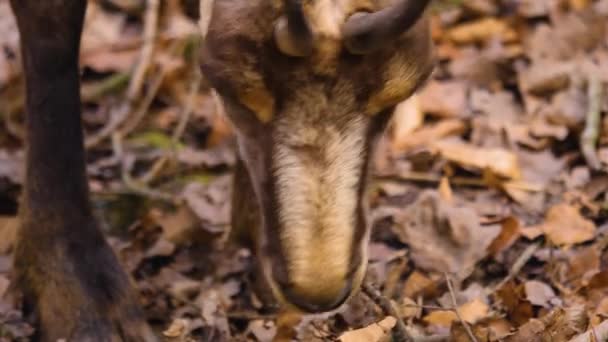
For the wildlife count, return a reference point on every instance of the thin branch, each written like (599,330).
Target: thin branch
(592,123)
(129,182)
(142,109)
(180,128)
(466,326)
(517,266)
(145,58)
(401,333)
(137,80)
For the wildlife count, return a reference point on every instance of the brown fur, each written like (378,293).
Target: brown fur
(318,116)
(289,113)
(72,282)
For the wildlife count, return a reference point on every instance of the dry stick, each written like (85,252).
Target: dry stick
(129,182)
(592,123)
(180,128)
(385,304)
(517,265)
(137,80)
(466,326)
(142,109)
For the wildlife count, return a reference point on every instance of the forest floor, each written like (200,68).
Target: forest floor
(489,197)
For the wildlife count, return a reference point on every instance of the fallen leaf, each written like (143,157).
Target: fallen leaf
(441,318)
(443,237)
(263,331)
(500,161)
(481,30)
(474,311)
(407,117)
(178,328)
(430,133)
(446,99)
(564,225)
(372,333)
(509,233)
(539,293)
(418,284)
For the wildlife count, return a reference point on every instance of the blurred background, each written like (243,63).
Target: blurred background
(489,196)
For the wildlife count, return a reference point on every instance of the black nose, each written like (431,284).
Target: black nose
(314,301)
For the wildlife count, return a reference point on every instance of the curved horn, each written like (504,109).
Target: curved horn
(292,33)
(365,32)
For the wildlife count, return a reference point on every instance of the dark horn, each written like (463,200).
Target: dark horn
(365,32)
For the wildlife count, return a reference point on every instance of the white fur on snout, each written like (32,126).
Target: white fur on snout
(318,172)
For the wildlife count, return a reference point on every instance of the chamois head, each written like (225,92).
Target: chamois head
(309,85)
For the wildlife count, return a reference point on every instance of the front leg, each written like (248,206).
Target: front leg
(70,277)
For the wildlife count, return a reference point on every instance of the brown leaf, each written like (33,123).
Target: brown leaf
(446,99)
(474,311)
(407,117)
(443,237)
(564,225)
(430,133)
(372,333)
(539,293)
(418,284)
(481,30)
(500,161)
(441,318)
(509,233)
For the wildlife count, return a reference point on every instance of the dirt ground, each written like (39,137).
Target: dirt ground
(490,210)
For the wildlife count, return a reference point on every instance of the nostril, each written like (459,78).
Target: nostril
(316,301)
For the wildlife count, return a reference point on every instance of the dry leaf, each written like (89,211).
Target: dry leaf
(407,117)
(444,99)
(443,237)
(564,225)
(418,284)
(539,293)
(372,333)
(441,318)
(474,311)
(263,331)
(481,31)
(500,161)
(509,233)
(429,133)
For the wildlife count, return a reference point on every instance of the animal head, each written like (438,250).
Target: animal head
(309,85)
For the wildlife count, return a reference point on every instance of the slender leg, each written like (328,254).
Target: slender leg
(71,279)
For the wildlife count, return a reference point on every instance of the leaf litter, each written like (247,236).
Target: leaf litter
(484,179)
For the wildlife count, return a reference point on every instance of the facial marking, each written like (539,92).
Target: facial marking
(317,178)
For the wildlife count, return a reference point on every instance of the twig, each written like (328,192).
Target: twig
(137,80)
(517,266)
(129,182)
(401,333)
(142,109)
(466,326)
(186,114)
(592,123)
(145,58)
(114,83)
(424,177)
